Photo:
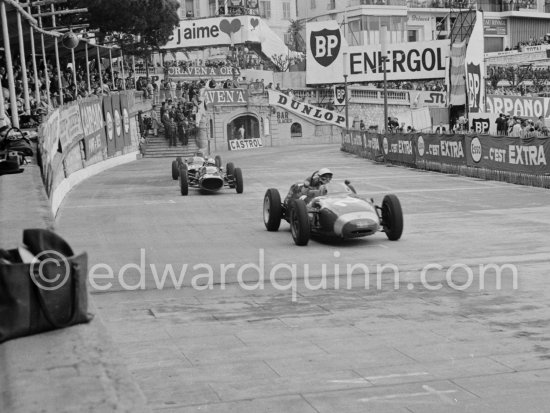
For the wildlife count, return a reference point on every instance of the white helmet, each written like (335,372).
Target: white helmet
(325,175)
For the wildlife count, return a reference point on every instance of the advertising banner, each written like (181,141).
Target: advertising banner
(475,68)
(306,110)
(422,99)
(201,72)
(117,121)
(109,125)
(72,161)
(226,97)
(125,118)
(215,31)
(70,126)
(508,154)
(398,147)
(441,148)
(240,144)
(405,61)
(51,135)
(497,27)
(483,123)
(94,127)
(522,106)
(252,4)
(339,95)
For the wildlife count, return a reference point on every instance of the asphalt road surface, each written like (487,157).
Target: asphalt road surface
(249,322)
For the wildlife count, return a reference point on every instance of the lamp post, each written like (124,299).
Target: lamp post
(345,55)
(384,52)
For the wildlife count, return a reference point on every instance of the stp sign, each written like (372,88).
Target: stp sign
(474,87)
(325,45)
(339,95)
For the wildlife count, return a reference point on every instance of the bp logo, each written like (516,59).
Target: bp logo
(126,120)
(474,87)
(118,123)
(481,125)
(421,146)
(339,95)
(325,45)
(385,145)
(475,149)
(109,126)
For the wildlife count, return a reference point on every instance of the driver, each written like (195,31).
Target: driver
(315,184)
(210,162)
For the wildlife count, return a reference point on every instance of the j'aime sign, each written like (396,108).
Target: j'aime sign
(214,31)
(308,111)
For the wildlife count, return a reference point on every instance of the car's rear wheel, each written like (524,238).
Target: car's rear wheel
(184,183)
(272,209)
(229,168)
(299,222)
(218,160)
(392,217)
(175,170)
(239,184)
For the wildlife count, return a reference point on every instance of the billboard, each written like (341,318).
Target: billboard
(475,67)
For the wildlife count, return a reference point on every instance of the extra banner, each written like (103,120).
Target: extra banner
(399,147)
(448,149)
(93,124)
(109,125)
(508,154)
(308,111)
(117,121)
(125,118)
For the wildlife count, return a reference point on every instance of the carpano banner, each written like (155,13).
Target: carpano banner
(306,110)
(240,144)
(522,106)
(509,154)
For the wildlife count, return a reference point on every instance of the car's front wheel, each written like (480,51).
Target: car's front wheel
(299,222)
(272,209)
(392,217)
(218,160)
(239,183)
(230,168)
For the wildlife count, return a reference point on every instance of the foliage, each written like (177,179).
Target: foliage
(295,31)
(124,21)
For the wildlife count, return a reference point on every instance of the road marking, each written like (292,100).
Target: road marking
(388,376)
(429,392)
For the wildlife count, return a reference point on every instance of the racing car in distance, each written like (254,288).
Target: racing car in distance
(206,174)
(335,211)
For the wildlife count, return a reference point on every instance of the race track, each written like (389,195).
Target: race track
(389,341)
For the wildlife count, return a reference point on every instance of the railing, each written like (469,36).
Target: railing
(377,3)
(440,4)
(359,95)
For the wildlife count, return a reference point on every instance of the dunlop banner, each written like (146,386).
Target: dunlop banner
(508,154)
(306,110)
(399,147)
(125,118)
(93,124)
(117,121)
(441,148)
(109,125)
(70,126)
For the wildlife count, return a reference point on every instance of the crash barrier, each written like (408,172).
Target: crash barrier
(86,137)
(500,158)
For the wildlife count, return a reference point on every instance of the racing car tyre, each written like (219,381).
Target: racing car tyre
(184,183)
(392,217)
(229,168)
(239,184)
(175,170)
(218,160)
(299,222)
(272,209)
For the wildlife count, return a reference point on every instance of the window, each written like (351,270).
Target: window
(296,130)
(286,11)
(265,9)
(288,39)
(412,35)
(313,5)
(331,4)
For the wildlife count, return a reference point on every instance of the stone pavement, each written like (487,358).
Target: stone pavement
(76,369)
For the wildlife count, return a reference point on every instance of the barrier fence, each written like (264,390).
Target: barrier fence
(83,133)
(502,158)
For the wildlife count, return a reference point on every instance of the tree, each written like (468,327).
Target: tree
(296,42)
(282,62)
(125,21)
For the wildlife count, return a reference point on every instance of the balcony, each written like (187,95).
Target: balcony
(440,4)
(377,3)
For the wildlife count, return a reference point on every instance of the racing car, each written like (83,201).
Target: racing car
(206,174)
(336,210)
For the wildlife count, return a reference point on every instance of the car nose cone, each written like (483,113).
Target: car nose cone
(211,183)
(356,225)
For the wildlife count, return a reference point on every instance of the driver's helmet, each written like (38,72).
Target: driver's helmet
(210,162)
(325,175)
(199,154)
